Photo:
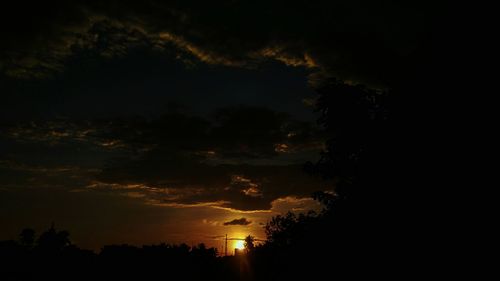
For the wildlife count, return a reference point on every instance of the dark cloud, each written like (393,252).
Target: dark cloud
(146,83)
(247,130)
(242,221)
(240,157)
(214,161)
(349,39)
(240,187)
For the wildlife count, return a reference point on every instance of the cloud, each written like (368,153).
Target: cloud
(18,175)
(353,41)
(242,221)
(251,131)
(295,204)
(216,159)
(63,131)
(196,183)
(280,54)
(203,55)
(180,160)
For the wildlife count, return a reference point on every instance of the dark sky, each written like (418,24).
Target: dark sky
(149,121)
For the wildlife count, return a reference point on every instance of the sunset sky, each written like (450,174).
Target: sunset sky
(146,122)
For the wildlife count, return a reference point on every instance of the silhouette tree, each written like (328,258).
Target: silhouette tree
(52,240)
(27,237)
(354,120)
(352,117)
(202,251)
(249,243)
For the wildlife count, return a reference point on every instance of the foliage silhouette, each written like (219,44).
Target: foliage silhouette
(27,237)
(249,243)
(53,240)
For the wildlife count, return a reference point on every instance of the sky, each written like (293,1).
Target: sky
(142,122)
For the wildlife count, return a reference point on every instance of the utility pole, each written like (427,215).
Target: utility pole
(226,246)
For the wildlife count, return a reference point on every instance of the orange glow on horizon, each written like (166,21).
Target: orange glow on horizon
(239,244)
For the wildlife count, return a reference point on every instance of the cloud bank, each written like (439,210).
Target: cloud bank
(354,41)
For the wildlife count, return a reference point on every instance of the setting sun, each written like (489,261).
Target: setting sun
(239,244)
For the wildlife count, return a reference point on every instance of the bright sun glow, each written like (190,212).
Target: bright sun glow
(239,244)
